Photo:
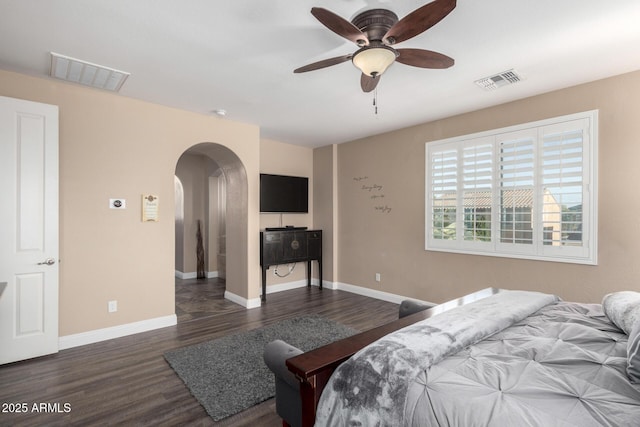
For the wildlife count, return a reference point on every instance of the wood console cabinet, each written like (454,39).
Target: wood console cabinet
(286,246)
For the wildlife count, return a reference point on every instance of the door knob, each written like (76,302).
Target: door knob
(48,261)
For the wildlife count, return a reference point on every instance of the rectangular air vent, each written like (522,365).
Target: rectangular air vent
(86,73)
(498,80)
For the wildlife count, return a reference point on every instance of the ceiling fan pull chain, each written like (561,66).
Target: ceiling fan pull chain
(375,101)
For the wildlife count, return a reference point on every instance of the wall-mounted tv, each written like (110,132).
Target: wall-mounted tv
(282,194)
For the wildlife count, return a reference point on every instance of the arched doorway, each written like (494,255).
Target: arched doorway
(211,194)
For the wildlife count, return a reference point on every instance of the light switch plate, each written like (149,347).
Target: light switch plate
(117,203)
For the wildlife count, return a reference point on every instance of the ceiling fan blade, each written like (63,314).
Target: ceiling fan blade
(340,26)
(323,64)
(368,83)
(419,21)
(424,58)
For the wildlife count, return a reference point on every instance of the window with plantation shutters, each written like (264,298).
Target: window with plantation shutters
(527,191)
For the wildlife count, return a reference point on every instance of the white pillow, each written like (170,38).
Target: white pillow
(623,309)
(633,355)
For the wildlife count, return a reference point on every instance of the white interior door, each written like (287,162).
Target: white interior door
(28,229)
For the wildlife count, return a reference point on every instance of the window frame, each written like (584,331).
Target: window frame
(585,123)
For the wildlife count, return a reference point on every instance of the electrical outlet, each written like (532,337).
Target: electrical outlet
(378,278)
(113,306)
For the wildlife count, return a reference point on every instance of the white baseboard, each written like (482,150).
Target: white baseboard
(246,303)
(328,285)
(181,275)
(90,337)
(298,284)
(373,293)
(194,275)
(281,287)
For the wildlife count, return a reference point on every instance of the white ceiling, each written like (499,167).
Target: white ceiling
(239,55)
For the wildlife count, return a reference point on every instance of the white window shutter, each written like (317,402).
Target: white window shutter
(477,186)
(443,186)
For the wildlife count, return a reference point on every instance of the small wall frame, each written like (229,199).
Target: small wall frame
(150,205)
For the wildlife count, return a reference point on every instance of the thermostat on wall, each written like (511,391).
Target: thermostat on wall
(117,203)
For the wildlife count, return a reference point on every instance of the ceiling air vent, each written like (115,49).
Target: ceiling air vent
(498,80)
(86,73)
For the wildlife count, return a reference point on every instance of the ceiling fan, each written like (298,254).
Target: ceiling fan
(375,31)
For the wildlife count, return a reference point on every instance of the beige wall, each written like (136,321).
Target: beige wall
(391,242)
(287,159)
(325,213)
(113,146)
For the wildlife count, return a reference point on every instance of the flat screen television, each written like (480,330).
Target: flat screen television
(283,194)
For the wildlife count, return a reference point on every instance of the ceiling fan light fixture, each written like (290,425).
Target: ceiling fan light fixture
(374,30)
(374,60)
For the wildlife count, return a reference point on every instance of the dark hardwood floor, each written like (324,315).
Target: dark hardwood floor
(126,381)
(197,298)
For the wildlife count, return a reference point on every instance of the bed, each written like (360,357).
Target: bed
(491,358)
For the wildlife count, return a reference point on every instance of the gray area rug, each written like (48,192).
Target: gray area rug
(228,375)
